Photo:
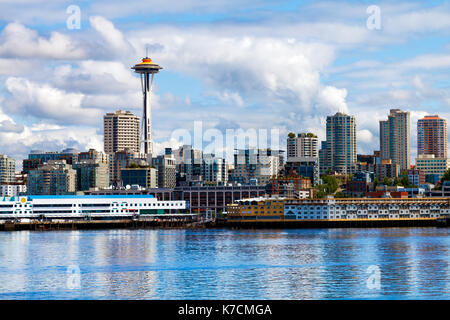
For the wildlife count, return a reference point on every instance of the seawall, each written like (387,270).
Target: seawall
(261,224)
(97,224)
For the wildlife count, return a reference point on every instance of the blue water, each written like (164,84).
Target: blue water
(226,264)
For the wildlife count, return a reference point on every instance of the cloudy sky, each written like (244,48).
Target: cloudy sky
(257,64)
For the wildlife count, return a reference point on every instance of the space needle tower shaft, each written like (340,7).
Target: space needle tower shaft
(147,70)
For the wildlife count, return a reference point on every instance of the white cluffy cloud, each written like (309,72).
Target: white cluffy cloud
(17,41)
(262,69)
(332,99)
(18,139)
(113,38)
(43,101)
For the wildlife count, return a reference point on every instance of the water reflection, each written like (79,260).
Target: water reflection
(226,264)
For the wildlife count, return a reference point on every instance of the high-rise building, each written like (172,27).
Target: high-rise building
(416,177)
(91,174)
(369,159)
(145,177)
(189,162)
(387,169)
(256,165)
(165,164)
(432,136)
(121,131)
(13,190)
(7,169)
(432,166)
(93,154)
(54,178)
(302,145)
(118,161)
(196,168)
(341,143)
(38,157)
(214,170)
(307,167)
(323,162)
(395,138)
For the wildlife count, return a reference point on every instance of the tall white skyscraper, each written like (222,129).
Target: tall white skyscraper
(121,131)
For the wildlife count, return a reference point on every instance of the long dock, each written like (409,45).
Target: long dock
(443,222)
(350,223)
(37,225)
(101,224)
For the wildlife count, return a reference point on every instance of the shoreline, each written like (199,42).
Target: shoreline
(146,224)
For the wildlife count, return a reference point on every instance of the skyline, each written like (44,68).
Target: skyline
(255,151)
(289,69)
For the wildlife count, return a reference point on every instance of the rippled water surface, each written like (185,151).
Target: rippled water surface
(226,264)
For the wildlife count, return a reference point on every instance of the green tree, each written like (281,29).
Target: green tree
(138,166)
(404,181)
(331,184)
(446,176)
(291,135)
(340,195)
(396,182)
(376,182)
(319,195)
(386,181)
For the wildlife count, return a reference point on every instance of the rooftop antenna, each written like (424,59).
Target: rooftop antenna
(146,50)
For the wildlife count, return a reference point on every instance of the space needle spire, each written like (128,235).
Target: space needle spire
(147,70)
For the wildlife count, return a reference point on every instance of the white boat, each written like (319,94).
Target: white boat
(90,206)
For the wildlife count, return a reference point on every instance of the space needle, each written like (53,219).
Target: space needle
(147,70)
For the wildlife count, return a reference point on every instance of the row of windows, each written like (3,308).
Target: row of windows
(51,205)
(261,212)
(163,204)
(55,211)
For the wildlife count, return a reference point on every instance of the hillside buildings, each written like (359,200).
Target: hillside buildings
(124,168)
